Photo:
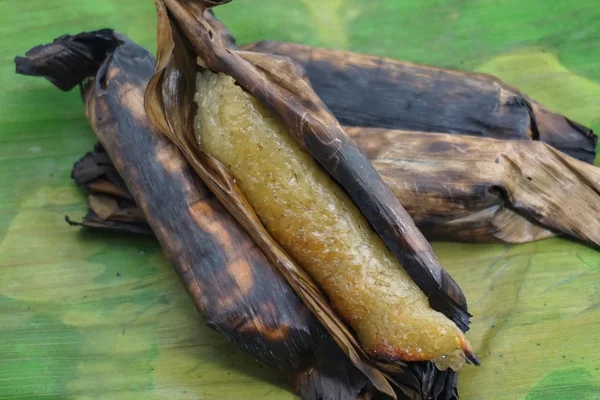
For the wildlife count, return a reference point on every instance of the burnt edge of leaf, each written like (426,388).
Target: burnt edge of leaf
(69,59)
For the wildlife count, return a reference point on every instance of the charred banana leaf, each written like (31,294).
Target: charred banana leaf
(466,188)
(462,188)
(368,91)
(229,279)
(110,205)
(188,44)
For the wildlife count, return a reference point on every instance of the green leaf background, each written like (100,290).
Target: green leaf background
(88,315)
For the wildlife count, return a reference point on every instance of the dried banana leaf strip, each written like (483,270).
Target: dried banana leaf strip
(362,90)
(469,188)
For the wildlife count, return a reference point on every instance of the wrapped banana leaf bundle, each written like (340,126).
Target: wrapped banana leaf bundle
(278,160)
(369,91)
(466,188)
(455,187)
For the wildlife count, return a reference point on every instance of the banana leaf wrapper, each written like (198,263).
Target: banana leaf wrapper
(459,188)
(187,43)
(362,90)
(466,188)
(230,280)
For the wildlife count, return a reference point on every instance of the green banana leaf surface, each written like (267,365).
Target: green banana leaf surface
(94,315)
